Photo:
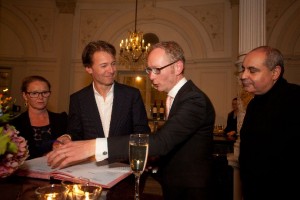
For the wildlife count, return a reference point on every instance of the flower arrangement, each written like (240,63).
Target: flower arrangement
(13,148)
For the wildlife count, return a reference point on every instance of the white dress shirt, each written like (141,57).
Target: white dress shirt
(101,143)
(105,109)
(173,92)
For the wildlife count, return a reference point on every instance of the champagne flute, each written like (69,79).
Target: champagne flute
(138,153)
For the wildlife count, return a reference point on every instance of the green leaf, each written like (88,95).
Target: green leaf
(4,140)
(12,147)
(5,118)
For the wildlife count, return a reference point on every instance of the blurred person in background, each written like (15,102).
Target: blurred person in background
(231,125)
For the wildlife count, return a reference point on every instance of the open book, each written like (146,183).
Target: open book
(102,173)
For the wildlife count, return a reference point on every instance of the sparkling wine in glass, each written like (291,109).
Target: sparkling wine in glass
(138,153)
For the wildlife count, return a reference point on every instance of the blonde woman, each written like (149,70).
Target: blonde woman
(39,126)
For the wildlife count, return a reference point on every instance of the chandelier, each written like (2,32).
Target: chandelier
(133,51)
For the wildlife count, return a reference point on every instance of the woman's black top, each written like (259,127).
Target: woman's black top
(40,139)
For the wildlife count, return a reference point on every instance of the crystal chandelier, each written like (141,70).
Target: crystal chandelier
(133,50)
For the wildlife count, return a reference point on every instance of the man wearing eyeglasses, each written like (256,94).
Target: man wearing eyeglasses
(184,142)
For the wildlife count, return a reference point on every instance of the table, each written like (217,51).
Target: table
(223,145)
(22,188)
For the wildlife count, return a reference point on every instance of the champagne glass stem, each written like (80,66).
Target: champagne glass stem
(137,187)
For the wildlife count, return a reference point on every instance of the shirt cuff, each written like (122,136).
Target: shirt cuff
(101,152)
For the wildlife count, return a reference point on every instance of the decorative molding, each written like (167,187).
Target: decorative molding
(90,23)
(66,6)
(212,18)
(43,20)
(274,10)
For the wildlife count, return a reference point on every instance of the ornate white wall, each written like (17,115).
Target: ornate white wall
(46,37)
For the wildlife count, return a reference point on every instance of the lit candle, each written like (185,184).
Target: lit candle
(51,196)
(77,193)
(138,78)
(138,164)
(86,194)
(70,195)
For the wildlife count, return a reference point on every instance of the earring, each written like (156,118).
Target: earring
(25,104)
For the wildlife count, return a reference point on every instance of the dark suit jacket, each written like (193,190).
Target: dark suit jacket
(128,113)
(231,123)
(185,141)
(58,124)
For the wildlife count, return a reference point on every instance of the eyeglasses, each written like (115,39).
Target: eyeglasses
(36,94)
(157,70)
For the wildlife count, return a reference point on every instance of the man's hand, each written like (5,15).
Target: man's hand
(71,153)
(64,139)
(231,133)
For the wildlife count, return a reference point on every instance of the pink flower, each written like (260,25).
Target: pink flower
(12,158)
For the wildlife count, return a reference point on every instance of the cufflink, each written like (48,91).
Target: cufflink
(104,153)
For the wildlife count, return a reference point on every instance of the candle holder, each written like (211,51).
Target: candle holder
(81,190)
(86,192)
(52,192)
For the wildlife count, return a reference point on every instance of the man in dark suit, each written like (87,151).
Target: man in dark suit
(185,141)
(230,130)
(128,113)
(105,108)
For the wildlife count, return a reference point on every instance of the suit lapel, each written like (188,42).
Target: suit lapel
(119,98)
(181,91)
(92,109)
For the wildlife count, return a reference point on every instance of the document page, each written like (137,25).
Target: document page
(107,174)
(99,173)
(37,165)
